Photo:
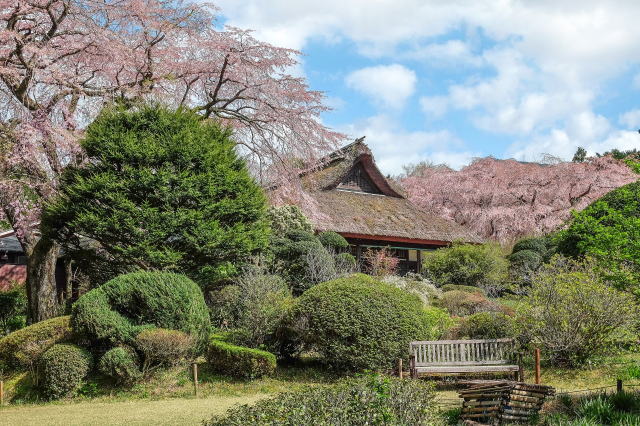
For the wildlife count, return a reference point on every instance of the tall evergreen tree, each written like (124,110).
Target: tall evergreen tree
(161,190)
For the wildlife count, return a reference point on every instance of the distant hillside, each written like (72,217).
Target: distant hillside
(507,199)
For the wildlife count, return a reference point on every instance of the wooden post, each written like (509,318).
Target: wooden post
(537,360)
(1,393)
(520,368)
(619,386)
(195,379)
(400,367)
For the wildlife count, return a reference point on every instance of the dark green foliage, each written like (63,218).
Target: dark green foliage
(21,349)
(346,262)
(163,348)
(538,245)
(580,155)
(62,369)
(238,361)
(465,288)
(121,364)
(13,307)
(358,322)
(302,260)
(609,230)
(367,400)
(161,190)
(468,264)
(486,325)
(333,241)
(117,311)
(526,259)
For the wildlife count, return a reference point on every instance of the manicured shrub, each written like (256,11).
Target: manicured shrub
(573,315)
(538,245)
(462,303)
(301,260)
(117,311)
(21,349)
(439,322)
(256,304)
(368,400)
(62,369)
(465,288)
(467,264)
(333,241)
(162,347)
(485,325)
(284,219)
(346,263)
(358,322)
(238,361)
(528,260)
(121,364)
(160,188)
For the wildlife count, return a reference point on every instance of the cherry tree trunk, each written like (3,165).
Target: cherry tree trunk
(41,281)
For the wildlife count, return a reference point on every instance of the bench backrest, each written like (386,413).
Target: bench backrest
(463,352)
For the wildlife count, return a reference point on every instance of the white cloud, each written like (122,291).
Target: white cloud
(394,146)
(434,106)
(449,53)
(388,85)
(631,119)
(547,63)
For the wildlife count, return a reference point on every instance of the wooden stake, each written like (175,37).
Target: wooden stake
(1,393)
(195,379)
(537,360)
(400,367)
(619,386)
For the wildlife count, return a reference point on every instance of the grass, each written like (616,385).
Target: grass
(167,397)
(178,411)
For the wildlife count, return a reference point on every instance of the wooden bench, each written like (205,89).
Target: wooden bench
(464,356)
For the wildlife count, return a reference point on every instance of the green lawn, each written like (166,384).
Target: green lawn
(167,398)
(180,411)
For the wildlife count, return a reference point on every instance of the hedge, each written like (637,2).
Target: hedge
(368,400)
(358,322)
(238,361)
(20,349)
(116,312)
(62,368)
(121,364)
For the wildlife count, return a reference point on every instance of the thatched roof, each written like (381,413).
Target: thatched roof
(379,211)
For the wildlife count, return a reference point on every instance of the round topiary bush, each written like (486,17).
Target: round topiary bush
(62,368)
(121,364)
(116,312)
(333,240)
(528,260)
(358,322)
(539,245)
(21,349)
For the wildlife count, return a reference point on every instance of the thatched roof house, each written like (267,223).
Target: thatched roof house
(352,197)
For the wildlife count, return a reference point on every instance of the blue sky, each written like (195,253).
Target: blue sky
(447,81)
